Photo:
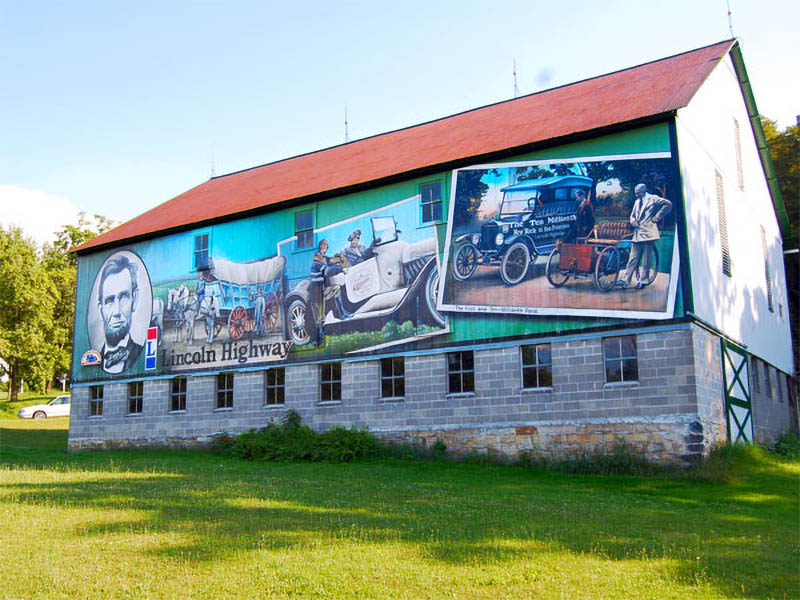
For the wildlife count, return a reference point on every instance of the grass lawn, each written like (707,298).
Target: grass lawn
(190,525)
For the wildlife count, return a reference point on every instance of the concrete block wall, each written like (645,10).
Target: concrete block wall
(707,357)
(772,412)
(499,417)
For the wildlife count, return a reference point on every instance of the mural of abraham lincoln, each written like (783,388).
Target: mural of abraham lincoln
(118,298)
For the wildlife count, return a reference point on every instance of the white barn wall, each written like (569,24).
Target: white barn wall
(736,305)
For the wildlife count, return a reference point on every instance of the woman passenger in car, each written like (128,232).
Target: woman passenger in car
(354,252)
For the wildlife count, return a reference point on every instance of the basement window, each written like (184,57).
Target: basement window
(622,363)
(225,390)
(754,375)
(393,377)
(178,395)
(767,380)
(537,366)
(330,382)
(96,401)
(135,397)
(460,372)
(275,386)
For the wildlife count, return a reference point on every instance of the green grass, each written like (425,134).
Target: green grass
(156,524)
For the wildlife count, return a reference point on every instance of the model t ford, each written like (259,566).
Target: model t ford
(533,215)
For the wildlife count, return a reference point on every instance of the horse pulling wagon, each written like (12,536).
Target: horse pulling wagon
(248,294)
(245,298)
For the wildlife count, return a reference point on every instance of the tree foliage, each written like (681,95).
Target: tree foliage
(37,293)
(784,149)
(62,267)
(470,191)
(27,299)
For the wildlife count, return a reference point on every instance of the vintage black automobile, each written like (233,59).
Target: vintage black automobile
(533,216)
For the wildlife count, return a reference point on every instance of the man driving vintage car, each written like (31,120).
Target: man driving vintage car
(323,269)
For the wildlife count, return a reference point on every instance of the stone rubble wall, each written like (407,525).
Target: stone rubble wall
(670,442)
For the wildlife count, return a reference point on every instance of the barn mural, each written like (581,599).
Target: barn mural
(199,300)
(593,238)
(527,247)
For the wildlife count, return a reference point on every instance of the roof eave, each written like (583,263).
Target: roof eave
(763,148)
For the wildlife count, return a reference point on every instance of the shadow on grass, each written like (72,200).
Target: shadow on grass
(740,533)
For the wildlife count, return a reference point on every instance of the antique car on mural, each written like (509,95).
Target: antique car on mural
(242,297)
(396,280)
(600,255)
(533,215)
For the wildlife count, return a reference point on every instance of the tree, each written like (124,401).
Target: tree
(27,299)
(784,149)
(62,268)
(470,191)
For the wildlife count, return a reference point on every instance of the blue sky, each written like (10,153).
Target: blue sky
(115,107)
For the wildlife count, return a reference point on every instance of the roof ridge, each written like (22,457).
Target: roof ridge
(467,111)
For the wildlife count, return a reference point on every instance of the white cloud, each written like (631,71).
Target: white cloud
(37,213)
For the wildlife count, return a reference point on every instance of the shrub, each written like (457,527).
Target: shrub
(788,445)
(291,440)
(439,450)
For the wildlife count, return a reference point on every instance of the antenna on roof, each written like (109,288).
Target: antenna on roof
(346,133)
(730,22)
(212,160)
(516,89)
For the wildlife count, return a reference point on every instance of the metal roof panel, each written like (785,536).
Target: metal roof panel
(623,96)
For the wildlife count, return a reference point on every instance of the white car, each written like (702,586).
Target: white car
(57,407)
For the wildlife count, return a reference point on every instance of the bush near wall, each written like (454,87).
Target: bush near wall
(292,440)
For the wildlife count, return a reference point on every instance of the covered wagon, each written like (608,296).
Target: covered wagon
(247,294)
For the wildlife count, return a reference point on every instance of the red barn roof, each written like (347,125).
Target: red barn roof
(624,96)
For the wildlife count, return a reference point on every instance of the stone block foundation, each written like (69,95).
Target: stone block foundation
(666,442)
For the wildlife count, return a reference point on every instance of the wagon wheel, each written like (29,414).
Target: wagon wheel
(653,266)
(555,275)
(236,322)
(271,312)
(515,263)
(606,269)
(465,261)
